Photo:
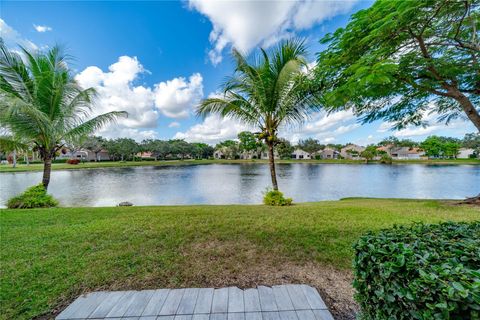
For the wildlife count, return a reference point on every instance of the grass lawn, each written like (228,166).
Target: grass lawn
(107,164)
(50,256)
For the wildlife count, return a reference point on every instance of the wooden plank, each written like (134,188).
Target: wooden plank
(70,310)
(271,315)
(253,316)
(236,316)
(201,317)
(298,298)
(220,300)
(251,300)
(138,304)
(187,304)
(235,300)
(172,302)
(156,303)
(122,305)
(305,314)
(313,297)
(288,315)
(267,299)
(89,305)
(218,316)
(282,298)
(204,300)
(322,315)
(107,304)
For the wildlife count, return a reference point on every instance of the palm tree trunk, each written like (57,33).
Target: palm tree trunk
(271,163)
(47,168)
(14,158)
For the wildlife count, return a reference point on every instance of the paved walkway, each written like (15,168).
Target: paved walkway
(286,302)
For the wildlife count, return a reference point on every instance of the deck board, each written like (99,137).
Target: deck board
(285,302)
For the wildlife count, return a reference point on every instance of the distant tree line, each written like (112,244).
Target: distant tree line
(433,146)
(129,149)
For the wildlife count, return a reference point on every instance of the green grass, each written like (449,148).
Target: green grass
(107,164)
(50,256)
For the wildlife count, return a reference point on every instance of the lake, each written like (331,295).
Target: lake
(244,183)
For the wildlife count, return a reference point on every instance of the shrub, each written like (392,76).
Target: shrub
(276,198)
(385,158)
(73,161)
(33,197)
(419,272)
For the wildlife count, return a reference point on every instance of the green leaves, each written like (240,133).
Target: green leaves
(42,103)
(272,90)
(419,272)
(397,57)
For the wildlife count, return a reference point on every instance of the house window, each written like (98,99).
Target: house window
(300,156)
(294,156)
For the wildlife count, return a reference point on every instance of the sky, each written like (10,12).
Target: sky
(158,59)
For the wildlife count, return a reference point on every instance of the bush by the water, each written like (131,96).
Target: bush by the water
(276,198)
(386,159)
(33,197)
(419,272)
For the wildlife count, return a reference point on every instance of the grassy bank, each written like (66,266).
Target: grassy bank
(49,256)
(108,164)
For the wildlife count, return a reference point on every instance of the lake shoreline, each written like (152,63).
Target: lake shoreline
(119,164)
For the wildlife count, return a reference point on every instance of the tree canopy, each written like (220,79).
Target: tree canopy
(400,60)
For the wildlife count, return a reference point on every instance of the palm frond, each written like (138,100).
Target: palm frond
(90,126)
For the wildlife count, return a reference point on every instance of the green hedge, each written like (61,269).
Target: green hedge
(419,272)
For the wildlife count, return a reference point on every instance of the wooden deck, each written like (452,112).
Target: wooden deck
(286,302)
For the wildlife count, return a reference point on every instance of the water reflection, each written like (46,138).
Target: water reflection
(244,183)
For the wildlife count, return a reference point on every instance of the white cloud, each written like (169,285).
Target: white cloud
(456,127)
(213,130)
(322,126)
(175,98)
(247,24)
(13,38)
(117,91)
(174,124)
(42,28)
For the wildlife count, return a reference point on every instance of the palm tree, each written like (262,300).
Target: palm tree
(9,143)
(273,90)
(41,102)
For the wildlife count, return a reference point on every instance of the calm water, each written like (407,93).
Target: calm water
(244,183)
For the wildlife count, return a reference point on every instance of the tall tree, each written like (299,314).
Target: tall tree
(267,92)
(94,144)
(472,141)
(310,146)
(400,60)
(41,102)
(284,149)
(247,141)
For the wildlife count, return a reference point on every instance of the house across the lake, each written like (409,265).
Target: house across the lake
(467,153)
(352,152)
(403,153)
(329,153)
(85,155)
(299,154)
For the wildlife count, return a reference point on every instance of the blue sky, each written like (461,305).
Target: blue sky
(157,59)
